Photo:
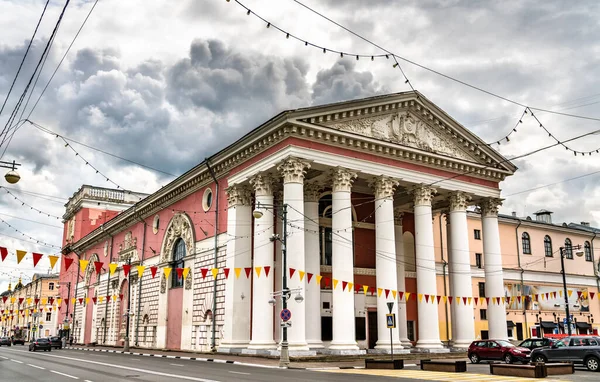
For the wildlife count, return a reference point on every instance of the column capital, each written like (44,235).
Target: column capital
(263,184)
(490,206)
(238,195)
(383,186)
(312,191)
(459,201)
(423,195)
(342,179)
(398,216)
(293,169)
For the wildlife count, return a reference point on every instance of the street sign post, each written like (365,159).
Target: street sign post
(391,324)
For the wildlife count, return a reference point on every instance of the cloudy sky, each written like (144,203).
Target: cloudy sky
(168,83)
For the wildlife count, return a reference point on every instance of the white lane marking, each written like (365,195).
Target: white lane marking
(239,372)
(87,380)
(125,367)
(37,367)
(3,357)
(175,364)
(66,375)
(14,360)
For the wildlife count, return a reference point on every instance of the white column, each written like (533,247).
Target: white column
(262,285)
(236,328)
(400,277)
(293,170)
(450,286)
(428,328)
(278,267)
(385,259)
(494,279)
(460,279)
(312,192)
(344,338)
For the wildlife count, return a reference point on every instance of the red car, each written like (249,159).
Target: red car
(497,350)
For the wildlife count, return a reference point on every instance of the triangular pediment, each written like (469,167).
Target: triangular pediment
(410,121)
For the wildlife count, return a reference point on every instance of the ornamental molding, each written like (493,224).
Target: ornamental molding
(91,268)
(459,201)
(263,184)
(238,196)
(384,187)
(398,216)
(180,226)
(423,195)
(342,179)
(163,283)
(293,170)
(490,207)
(312,191)
(189,279)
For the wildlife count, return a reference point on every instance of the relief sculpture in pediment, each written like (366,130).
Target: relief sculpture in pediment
(405,129)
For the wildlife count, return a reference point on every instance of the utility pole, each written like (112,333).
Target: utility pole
(564,279)
(66,332)
(126,343)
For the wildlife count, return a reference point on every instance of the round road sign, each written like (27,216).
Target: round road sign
(285,314)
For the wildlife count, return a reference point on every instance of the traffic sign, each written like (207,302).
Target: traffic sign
(390,306)
(391,320)
(285,314)
(286,324)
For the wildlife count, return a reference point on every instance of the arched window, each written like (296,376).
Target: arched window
(568,249)
(548,246)
(588,251)
(178,255)
(526,243)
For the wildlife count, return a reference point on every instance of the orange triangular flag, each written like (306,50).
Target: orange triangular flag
(167,272)
(379,291)
(44,301)
(73,299)
(394,293)
(58,301)
(470,299)
(52,259)
(560,293)
(20,255)
(83,264)
(237,272)
(215,272)
(365,289)
(301,273)
(503,300)
(185,272)
(445,298)
(114,296)
(432,297)
(319,277)
(101,299)
(140,269)
(87,300)
(112,267)
(406,295)
(335,283)
(570,292)
(257,269)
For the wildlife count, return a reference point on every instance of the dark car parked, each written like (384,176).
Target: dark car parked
(534,343)
(5,341)
(20,341)
(40,344)
(577,349)
(55,342)
(497,349)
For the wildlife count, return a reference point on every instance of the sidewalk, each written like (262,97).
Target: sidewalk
(320,362)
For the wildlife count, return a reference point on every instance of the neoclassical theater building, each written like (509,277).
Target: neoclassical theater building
(363,185)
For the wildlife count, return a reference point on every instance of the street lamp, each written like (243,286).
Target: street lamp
(564,278)
(285,293)
(12,176)
(67,331)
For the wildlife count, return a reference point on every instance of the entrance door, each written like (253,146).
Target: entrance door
(372,329)
(519,331)
(175,305)
(484,335)
(89,310)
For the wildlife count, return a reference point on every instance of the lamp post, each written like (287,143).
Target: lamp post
(126,342)
(564,279)
(285,293)
(67,331)
(12,176)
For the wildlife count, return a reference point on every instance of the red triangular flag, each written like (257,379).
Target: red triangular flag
(226,271)
(476,300)
(549,293)
(94,300)
(248,271)
(579,294)
(51,300)
(327,281)
(308,277)
(3,252)
(126,269)
(204,272)
(179,272)
(68,261)
(292,271)
(487,301)
(400,295)
(592,294)
(267,270)
(59,307)
(37,300)
(121,297)
(387,293)
(153,271)
(357,288)
(80,300)
(519,299)
(21,300)
(464,301)
(344,283)
(36,257)
(98,265)
(4,298)
(426,297)
(438,299)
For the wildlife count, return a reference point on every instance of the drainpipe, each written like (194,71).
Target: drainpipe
(445,264)
(522,271)
(107,289)
(214,307)
(139,299)
(596,271)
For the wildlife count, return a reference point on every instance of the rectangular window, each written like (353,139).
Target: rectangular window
(483,314)
(48,316)
(410,326)
(477,234)
(360,328)
(326,238)
(478,262)
(50,286)
(481,289)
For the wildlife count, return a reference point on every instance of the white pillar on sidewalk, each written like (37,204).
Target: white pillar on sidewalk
(344,337)
(450,286)
(401,279)
(385,260)
(428,326)
(262,285)
(460,278)
(494,279)
(236,328)
(312,192)
(293,171)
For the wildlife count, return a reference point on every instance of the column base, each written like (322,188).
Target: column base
(461,344)
(431,346)
(386,345)
(234,347)
(258,345)
(330,351)
(315,344)
(299,347)
(264,352)
(406,343)
(388,350)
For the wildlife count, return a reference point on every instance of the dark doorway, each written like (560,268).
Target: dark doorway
(519,331)
(485,335)
(372,329)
